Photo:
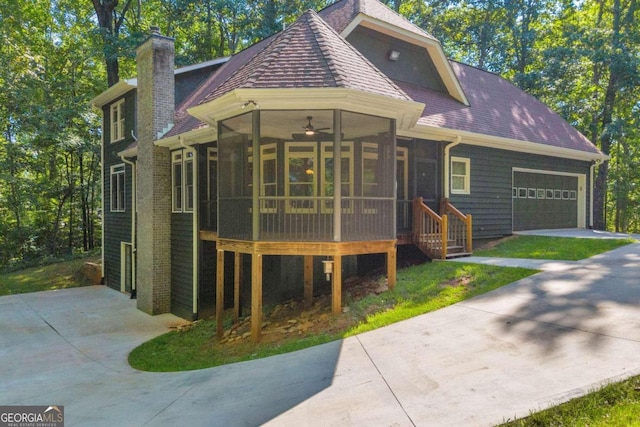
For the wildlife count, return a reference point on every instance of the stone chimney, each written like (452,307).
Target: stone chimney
(155,110)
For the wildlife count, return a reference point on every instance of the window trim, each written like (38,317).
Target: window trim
(119,173)
(268,152)
(466,178)
(117,126)
(347,154)
(311,154)
(177,201)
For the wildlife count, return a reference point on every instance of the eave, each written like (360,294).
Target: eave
(490,141)
(433,47)
(405,112)
(114,92)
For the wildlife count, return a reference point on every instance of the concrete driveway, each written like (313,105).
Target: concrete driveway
(534,343)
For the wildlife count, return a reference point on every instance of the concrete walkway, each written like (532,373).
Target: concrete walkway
(534,343)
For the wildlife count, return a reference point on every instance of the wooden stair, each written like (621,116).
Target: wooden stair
(430,229)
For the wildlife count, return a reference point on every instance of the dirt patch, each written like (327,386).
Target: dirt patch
(493,243)
(293,319)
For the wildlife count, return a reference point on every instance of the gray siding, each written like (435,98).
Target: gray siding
(490,201)
(182,265)
(116,225)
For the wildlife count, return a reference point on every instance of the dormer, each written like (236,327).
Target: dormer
(400,49)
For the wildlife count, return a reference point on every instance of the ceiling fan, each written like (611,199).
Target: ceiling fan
(309,129)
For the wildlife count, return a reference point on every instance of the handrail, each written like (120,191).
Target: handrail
(433,233)
(466,220)
(429,230)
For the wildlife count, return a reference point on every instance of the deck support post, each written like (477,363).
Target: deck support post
(237,279)
(391,268)
(308,280)
(336,285)
(256,296)
(220,293)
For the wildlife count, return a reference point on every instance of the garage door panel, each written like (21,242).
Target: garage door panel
(537,210)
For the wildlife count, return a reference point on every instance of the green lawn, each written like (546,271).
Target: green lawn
(555,248)
(67,274)
(613,405)
(419,289)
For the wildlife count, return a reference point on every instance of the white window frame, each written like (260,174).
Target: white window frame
(347,155)
(185,200)
(118,172)
(310,154)
(177,200)
(368,154)
(117,121)
(466,188)
(268,153)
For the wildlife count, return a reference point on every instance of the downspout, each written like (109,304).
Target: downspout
(195,237)
(133,220)
(592,168)
(447,164)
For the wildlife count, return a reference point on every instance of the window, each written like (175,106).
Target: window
(117,121)
(269,178)
(182,182)
(540,193)
(117,188)
(300,176)
(460,175)
(346,175)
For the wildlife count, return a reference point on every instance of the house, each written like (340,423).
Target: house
(224,185)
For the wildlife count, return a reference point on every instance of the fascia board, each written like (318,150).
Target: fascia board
(115,91)
(405,112)
(489,141)
(193,137)
(433,47)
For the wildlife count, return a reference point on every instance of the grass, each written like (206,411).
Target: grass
(555,248)
(62,275)
(616,404)
(419,289)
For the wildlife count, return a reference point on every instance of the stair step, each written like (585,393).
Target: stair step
(458,255)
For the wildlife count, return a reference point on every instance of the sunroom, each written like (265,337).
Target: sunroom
(284,189)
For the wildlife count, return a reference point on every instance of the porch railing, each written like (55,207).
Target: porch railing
(441,236)
(308,219)
(460,230)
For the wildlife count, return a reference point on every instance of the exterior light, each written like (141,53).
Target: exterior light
(394,55)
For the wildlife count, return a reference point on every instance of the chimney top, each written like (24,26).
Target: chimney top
(155,30)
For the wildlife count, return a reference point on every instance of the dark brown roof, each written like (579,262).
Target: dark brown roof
(497,108)
(340,14)
(309,54)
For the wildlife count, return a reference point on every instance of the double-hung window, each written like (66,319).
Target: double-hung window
(182,181)
(300,177)
(117,188)
(117,120)
(460,175)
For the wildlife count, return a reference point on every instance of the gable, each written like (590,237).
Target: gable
(414,65)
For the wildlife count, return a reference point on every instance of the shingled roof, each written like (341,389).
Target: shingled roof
(498,108)
(340,14)
(310,54)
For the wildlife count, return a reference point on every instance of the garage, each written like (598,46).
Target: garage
(543,200)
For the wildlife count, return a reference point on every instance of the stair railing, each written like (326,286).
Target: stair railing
(429,230)
(460,226)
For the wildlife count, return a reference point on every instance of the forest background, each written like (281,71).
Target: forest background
(581,57)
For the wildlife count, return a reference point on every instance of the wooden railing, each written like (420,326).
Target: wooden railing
(429,230)
(460,230)
(441,236)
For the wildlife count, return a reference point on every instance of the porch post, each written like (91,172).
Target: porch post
(237,279)
(219,293)
(336,285)
(256,296)
(391,268)
(337,178)
(308,280)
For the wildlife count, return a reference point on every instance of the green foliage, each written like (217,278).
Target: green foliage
(612,405)
(419,289)
(45,277)
(557,248)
